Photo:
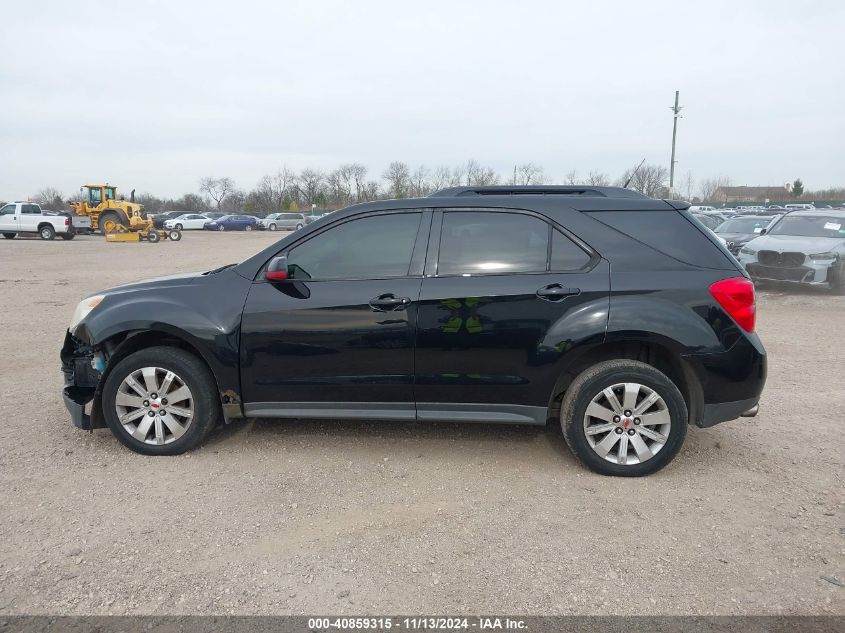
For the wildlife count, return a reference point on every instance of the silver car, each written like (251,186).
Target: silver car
(804,247)
(283,222)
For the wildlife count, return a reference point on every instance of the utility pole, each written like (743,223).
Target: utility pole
(676,113)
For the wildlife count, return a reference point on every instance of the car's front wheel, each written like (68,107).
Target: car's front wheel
(9,236)
(221,228)
(161,401)
(624,418)
(272,226)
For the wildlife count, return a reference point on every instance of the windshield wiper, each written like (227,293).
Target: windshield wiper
(219,270)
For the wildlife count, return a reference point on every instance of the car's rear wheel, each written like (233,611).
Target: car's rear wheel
(161,401)
(47,232)
(248,227)
(67,236)
(624,418)
(299,226)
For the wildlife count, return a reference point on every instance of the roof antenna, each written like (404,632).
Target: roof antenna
(628,182)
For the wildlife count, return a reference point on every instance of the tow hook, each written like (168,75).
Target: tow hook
(98,362)
(751,412)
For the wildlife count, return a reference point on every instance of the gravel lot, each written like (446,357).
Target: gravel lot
(273,517)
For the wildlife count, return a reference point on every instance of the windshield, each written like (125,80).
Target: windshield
(744,225)
(810,226)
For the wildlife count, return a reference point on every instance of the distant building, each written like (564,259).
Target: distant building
(730,195)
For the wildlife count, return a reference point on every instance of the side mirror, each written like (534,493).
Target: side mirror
(277,270)
(764,231)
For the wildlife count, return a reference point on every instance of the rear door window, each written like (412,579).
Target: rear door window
(490,242)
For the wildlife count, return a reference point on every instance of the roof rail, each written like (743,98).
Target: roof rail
(538,190)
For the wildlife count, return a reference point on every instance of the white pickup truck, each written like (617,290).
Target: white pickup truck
(27,217)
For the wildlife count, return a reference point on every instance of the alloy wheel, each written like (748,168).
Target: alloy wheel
(154,405)
(627,423)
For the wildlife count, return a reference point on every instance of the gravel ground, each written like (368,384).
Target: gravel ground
(275,517)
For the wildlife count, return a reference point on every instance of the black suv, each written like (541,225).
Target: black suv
(616,314)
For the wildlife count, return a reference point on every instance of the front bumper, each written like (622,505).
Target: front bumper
(81,383)
(808,274)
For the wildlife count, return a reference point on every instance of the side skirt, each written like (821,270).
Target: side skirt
(424,411)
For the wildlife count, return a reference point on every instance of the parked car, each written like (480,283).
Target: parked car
(741,229)
(708,220)
(160,218)
(18,218)
(284,222)
(803,247)
(187,221)
(487,304)
(233,222)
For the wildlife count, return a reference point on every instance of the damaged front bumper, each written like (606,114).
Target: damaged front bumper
(81,366)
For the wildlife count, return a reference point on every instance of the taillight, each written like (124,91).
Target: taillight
(736,296)
(67,221)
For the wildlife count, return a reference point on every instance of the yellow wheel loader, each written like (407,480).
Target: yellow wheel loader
(118,220)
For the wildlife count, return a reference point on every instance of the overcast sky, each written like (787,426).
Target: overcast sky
(156,95)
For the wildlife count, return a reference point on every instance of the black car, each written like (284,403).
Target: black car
(741,229)
(617,315)
(160,218)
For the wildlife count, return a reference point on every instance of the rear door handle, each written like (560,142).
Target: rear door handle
(557,292)
(389,302)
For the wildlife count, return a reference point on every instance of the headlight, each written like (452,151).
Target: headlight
(823,256)
(83,309)
(747,251)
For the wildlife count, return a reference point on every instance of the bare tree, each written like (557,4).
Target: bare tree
(217,188)
(420,184)
(647,179)
(686,186)
(478,176)
(309,184)
(359,177)
(234,202)
(398,177)
(598,179)
(269,194)
(50,198)
(528,174)
(710,186)
(571,178)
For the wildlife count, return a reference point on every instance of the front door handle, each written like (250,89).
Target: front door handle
(557,292)
(389,302)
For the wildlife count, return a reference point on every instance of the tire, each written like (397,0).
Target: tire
(190,373)
(837,280)
(174,235)
(221,228)
(153,237)
(9,236)
(47,232)
(114,217)
(272,226)
(248,227)
(299,226)
(178,227)
(67,236)
(588,388)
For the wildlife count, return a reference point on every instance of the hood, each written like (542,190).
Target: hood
(798,244)
(738,237)
(167,281)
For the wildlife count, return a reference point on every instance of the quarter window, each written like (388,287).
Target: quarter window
(566,254)
(478,242)
(367,248)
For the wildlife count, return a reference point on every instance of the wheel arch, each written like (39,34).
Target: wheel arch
(663,355)
(121,345)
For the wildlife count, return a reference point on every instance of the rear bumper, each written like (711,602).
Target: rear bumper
(723,411)
(731,382)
